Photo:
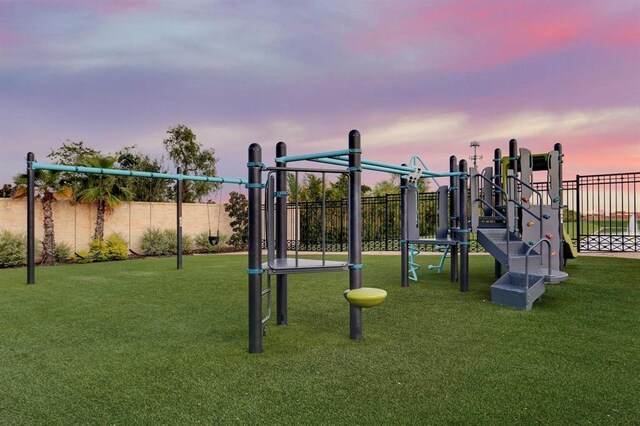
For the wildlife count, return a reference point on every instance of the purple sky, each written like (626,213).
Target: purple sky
(415,77)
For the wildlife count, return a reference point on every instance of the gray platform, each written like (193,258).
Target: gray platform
(299,266)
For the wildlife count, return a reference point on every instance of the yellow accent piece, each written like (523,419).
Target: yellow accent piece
(365,297)
(572,252)
(530,223)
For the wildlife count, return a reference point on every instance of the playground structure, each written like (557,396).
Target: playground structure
(33,165)
(278,262)
(518,225)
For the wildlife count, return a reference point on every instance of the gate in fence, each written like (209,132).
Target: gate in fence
(601,214)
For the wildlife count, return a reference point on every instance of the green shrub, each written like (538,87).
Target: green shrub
(187,244)
(158,242)
(115,248)
(97,251)
(13,249)
(63,252)
(202,244)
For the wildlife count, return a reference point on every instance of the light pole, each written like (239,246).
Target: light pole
(475,145)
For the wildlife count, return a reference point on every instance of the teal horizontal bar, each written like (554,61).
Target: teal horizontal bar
(429,174)
(133,173)
(396,169)
(328,154)
(340,162)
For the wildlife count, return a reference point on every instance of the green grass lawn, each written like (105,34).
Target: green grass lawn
(140,342)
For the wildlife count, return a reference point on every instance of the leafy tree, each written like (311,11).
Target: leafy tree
(106,191)
(569,215)
(293,186)
(50,186)
(72,153)
(312,188)
(339,189)
(392,186)
(387,186)
(187,153)
(144,189)
(238,210)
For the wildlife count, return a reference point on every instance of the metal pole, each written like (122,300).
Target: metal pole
(517,212)
(464,230)
(31,238)
(558,147)
(255,252)
(454,181)
(513,156)
(578,213)
(497,196)
(355,231)
(404,233)
(281,234)
(179,218)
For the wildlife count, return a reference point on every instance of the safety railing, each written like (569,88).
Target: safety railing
(526,258)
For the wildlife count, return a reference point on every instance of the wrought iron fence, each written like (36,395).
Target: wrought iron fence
(600,212)
(608,212)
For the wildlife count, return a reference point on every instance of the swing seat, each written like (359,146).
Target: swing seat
(365,297)
(214,240)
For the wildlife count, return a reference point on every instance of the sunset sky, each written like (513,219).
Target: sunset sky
(415,77)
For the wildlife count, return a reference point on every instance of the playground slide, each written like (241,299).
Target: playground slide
(570,251)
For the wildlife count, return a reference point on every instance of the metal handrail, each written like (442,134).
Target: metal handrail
(526,258)
(538,193)
(506,212)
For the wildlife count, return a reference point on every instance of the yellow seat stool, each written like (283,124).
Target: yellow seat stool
(365,297)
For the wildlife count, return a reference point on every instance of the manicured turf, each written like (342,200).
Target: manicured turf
(139,342)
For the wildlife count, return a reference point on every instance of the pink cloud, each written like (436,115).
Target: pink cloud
(469,34)
(626,34)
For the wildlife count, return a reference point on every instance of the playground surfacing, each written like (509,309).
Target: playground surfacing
(148,344)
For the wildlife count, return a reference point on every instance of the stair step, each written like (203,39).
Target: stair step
(491,225)
(512,289)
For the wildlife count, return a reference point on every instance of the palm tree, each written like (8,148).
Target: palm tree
(50,186)
(106,191)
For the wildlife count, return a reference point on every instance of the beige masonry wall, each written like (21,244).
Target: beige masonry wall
(75,223)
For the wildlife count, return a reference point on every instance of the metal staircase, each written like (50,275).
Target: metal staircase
(525,277)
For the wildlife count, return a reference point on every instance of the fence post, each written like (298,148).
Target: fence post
(386,222)
(342,218)
(578,213)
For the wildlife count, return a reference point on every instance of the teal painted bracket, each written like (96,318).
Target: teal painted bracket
(413,266)
(439,266)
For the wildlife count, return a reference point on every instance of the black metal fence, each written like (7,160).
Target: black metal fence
(601,214)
